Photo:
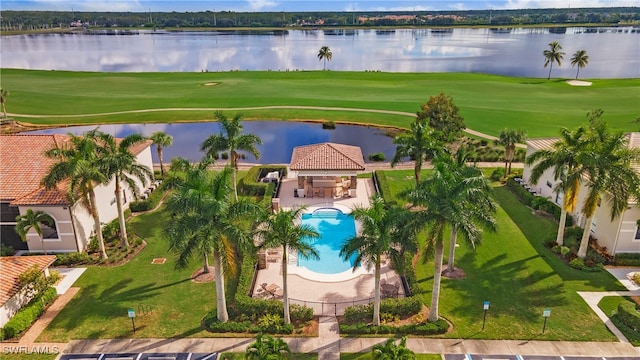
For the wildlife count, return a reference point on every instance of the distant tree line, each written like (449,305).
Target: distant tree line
(28,20)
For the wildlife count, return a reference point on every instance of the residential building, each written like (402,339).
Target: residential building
(620,235)
(23,165)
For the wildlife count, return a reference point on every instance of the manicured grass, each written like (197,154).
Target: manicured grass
(487,102)
(99,310)
(608,305)
(520,277)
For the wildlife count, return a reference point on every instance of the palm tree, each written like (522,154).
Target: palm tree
(206,220)
(162,140)
(33,220)
(553,54)
(383,231)
(564,159)
(509,138)
(443,199)
(267,348)
(325,54)
(476,198)
(392,351)
(581,59)
(119,164)
(3,101)
(231,138)
(78,165)
(285,229)
(608,161)
(420,144)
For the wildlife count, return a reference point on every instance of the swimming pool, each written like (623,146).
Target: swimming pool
(334,227)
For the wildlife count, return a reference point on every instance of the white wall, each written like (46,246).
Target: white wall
(66,237)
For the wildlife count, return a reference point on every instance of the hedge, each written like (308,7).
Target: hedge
(73,258)
(627,259)
(629,315)
(528,199)
(249,184)
(383,186)
(403,307)
(438,327)
(26,316)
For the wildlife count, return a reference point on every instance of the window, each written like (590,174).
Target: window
(637,237)
(49,232)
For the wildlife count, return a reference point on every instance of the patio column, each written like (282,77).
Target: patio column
(301,181)
(354,182)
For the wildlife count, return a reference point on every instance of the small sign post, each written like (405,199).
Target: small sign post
(546,313)
(484,318)
(132,315)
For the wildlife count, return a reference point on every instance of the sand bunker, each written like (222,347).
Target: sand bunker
(215,83)
(578,83)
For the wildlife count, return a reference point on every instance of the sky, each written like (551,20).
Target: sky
(301,5)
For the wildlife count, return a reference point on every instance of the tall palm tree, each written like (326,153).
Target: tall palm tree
(581,59)
(162,140)
(285,229)
(564,158)
(119,164)
(326,55)
(77,164)
(384,231)
(509,138)
(419,144)
(33,220)
(608,161)
(233,139)
(3,101)
(477,200)
(553,54)
(207,221)
(442,197)
(392,351)
(267,348)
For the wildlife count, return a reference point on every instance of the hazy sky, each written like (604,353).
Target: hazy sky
(301,5)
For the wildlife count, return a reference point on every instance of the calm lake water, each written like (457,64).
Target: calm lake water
(278,137)
(613,52)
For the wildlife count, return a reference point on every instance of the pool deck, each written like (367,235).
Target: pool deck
(304,285)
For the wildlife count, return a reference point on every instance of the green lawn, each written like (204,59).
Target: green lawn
(536,105)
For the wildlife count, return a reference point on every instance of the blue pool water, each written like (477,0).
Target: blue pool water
(334,227)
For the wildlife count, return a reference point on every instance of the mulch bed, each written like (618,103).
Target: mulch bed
(457,273)
(199,276)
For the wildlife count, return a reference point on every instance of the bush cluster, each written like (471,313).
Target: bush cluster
(438,327)
(378,156)
(249,184)
(73,258)
(536,202)
(629,315)
(383,184)
(579,264)
(269,324)
(149,203)
(396,308)
(23,319)
(329,125)
(7,250)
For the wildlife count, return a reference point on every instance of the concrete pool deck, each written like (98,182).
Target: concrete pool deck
(305,286)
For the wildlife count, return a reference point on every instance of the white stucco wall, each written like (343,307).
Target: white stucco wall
(66,237)
(11,307)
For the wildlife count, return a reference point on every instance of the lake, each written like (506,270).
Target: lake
(613,51)
(278,137)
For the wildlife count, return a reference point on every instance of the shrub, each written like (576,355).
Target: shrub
(70,259)
(358,314)
(629,315)
(7,250)
(378,156)
(627,259)
(401,308)
(249,184)
(438,327)
(636,277)
(330,125)
(497,174)
(23,319)
(565,251)
(300,313)
(587,266)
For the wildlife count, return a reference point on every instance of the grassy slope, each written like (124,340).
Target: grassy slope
(488,103)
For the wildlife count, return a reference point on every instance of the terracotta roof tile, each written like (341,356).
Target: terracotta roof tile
(327,156)
(12,266)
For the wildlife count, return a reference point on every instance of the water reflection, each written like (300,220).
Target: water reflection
(504,51)
(278,137)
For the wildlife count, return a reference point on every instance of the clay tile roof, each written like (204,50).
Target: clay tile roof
(327,156)
(12,266)
(542,143)
(23,163)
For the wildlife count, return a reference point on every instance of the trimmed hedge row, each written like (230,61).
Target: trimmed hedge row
(530,200)
(249,184)
(627,259)
(385,190)
(438,327)
(23,319)
(629,315)
(403,307)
